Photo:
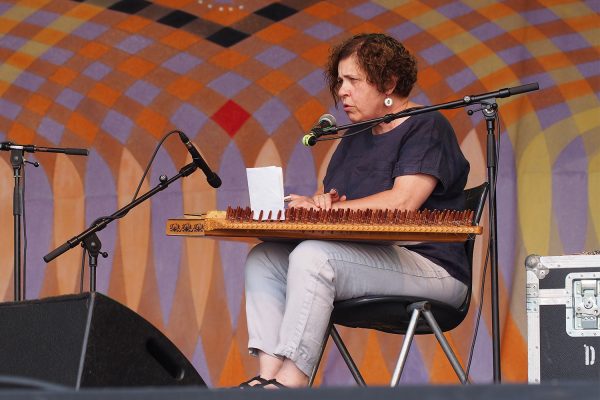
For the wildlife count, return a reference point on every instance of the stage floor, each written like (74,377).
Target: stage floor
(557,391)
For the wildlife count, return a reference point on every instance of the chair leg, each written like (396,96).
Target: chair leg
(346,356)
(445,345)
(311,378)
(408,338)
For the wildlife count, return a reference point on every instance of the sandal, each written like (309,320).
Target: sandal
(273,382)
(260,384)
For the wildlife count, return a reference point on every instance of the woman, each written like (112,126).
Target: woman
(409,163)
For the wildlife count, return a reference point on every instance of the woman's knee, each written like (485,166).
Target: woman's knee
(309,258)
(266,259)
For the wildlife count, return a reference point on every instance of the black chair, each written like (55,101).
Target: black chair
(405,315)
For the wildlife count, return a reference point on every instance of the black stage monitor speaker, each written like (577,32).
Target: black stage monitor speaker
(88,340)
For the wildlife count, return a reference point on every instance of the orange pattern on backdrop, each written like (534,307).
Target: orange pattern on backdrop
(244,81)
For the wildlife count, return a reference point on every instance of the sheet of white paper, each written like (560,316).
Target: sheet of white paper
(265,187)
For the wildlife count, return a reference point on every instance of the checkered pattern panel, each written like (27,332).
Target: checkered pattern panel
(243,79)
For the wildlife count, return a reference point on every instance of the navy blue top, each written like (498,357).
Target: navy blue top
(365,164)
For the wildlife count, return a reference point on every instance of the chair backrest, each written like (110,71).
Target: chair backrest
(474,200)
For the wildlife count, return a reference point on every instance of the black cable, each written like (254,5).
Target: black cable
(82,271)
(24,225)
(151,161)
(480,308)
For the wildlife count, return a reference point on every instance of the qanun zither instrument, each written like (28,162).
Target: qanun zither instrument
(342,224)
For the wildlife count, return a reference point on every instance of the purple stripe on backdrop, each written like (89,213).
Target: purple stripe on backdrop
(51,130)
(101,200)
(570,42)
(275,56)
(454,10)
(421,98)
(515,54)
(12,42)
(415,371)
(271,115)
(589,69)
(166,249)
(29,81)
(39,213)
(199,362)
(233,192)
(300,176)
(229,84)
(189,119)
(593,5)
(41,18)
(336,373)
(506,204)
(57,56)
(5,7)
(233,259)
(8,109)
(482,365)
(134,44)
(486,31)
(90,30)
(367,10)
(461,79)
(314,82)
(182,63)
(69,98)
(436,53)
(404,31)
(540,16)
(323,31)
(232,171)
(117,125)
(550,115)
(97,70)
(142,92)
(570,195)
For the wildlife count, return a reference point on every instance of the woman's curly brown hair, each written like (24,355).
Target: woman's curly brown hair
(384,60)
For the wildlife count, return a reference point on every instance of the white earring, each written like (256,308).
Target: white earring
(388,101)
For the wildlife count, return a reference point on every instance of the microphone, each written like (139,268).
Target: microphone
(30,148)
(212,178)
(325,121)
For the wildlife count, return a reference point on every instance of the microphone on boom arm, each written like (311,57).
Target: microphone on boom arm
(325,121)
(212,178)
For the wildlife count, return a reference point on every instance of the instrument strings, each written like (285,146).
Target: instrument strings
(365,217)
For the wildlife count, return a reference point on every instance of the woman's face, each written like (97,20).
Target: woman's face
(361,100)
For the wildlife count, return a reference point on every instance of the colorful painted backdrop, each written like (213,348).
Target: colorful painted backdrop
(243,79)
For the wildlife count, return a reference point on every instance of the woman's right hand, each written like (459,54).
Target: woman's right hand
(321,201)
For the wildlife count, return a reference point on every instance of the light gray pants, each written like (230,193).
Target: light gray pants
(290,289)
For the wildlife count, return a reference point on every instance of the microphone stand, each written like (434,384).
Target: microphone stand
(489,110)
(89,238)
(17,160)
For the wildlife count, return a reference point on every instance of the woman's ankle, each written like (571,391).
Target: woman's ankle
(269,365)
(291,376)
